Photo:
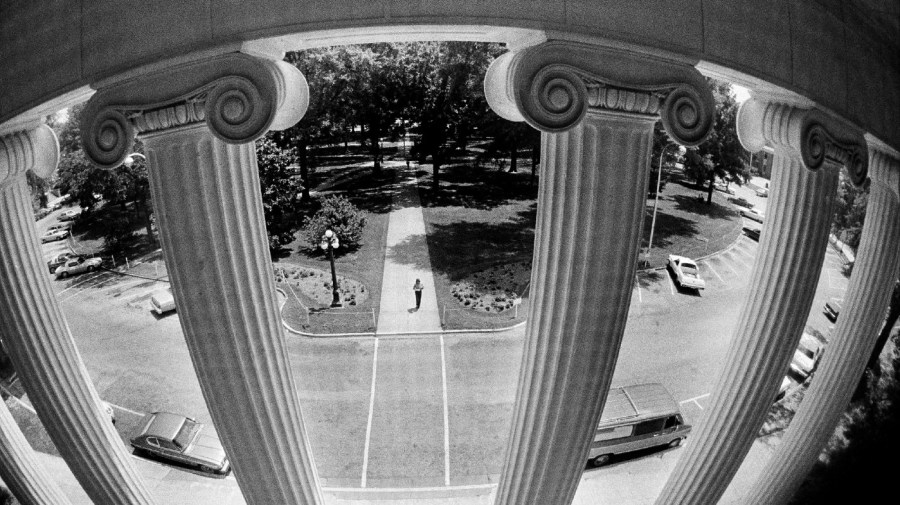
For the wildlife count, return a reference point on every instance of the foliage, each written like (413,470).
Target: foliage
(345,219)
(721,155)
(38,188)
(279,192)
(118,234)
(849,212)
(88,185)
(856,471)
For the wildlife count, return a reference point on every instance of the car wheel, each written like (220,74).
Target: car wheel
(675,443)
(91,268)
(601,460)
(63,275)
(205,469)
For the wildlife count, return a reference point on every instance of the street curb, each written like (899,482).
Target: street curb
(701,258)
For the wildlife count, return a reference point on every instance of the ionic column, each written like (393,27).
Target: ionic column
(852,340)
(808,149)
(594,167)
(41,347)
(20,470)
(198,124)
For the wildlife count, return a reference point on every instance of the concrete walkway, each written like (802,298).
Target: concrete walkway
(406,259)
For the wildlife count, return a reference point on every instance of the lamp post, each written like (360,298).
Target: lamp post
(330,243)
(655,203)
(129,160)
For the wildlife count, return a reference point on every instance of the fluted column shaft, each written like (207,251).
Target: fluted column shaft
(20,470)
(852,340)
(590,209)
(38,339)
(207,196)
(782,286)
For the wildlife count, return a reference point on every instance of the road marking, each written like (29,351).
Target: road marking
(123,409)
(73,286)
(75,295)
(446,417)
(637,282)
(713,270)
(727,264)
(694,400)
(365,467)
(671,284)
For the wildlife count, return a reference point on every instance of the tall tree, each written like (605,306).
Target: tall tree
(281,201)
(721,155)
(329,113)
(850,211)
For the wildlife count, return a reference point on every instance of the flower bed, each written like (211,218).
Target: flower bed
(316,284)
(493,289)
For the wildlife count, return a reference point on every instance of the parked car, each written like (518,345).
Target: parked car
(65,225)
(754,214)
(724,188)
(803,363)
(59,259)
(54,235)
(762,192)
(687,274)
(77,266)
(752,233)
(178,439)
(635,418)
(70,214)
(832,309)
(806,357)
(162,301)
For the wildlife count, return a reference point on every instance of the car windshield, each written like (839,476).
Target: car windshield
(186,433)
(689,269)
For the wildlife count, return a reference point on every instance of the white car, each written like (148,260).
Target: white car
(687,274)
(77,266)
(807,355)
(754,214)
(724,189)
(54,235)
(162,301)
(762,193)
(69,214)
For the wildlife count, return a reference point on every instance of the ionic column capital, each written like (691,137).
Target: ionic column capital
(552,85)
(810,133)
(36,149)
(239,97)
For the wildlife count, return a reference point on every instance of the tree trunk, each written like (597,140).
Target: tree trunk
(304,171)
(148,223)
(435,171)
(513,159)
(535,158)
(893,315)
(709,190)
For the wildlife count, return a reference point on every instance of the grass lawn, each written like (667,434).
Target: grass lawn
(306,313)
(480,234)
(481,226)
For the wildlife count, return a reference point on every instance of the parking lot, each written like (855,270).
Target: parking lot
(430,411)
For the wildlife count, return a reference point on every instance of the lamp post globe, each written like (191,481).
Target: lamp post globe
(329,243)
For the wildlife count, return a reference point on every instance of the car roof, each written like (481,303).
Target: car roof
(637,401)
(165,425)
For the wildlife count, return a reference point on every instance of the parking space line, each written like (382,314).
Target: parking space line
(365,466)
(694,401)
(74,295)
(713,270)
(671,284)
(637,282)
(446,417)
(73,286)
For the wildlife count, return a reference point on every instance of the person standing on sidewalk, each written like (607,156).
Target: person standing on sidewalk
(418,287)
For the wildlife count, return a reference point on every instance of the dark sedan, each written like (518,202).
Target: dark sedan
(178,439)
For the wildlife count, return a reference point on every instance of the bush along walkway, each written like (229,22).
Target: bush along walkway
(406,260)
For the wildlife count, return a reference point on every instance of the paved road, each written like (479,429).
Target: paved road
(416,412)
